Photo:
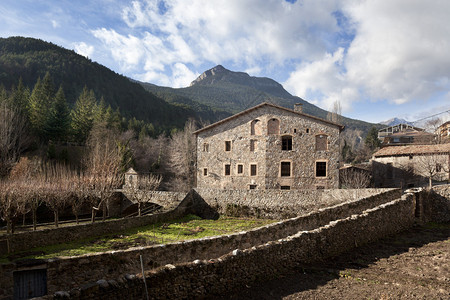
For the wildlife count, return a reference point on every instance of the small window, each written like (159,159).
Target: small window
(286,142)
(307,130)
(321,169)
(205,171)
(227,170)
(321,142)
(252,170)
(285,187)
(285,169)
(273,126)
(240,169)
(438,167)
(205,147)
(410,156)
(253,144)
(227,145)
(295,130)
(252,186)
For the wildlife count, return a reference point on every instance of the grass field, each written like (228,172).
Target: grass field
(189,227)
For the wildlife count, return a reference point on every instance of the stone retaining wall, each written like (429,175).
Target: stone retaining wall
(278,204)
(238,268)
(66,273)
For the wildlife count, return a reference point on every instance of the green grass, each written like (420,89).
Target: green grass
(186,228)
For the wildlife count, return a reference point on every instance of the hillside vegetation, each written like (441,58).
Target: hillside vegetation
(29,59)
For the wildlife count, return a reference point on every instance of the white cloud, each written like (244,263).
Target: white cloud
(55,24)
(83,49)
(241,32)
(399,53)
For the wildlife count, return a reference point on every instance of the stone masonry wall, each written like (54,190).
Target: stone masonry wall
(279,204)
(66,273)
(213,277)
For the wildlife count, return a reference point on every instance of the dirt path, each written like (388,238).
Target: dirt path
(411,265)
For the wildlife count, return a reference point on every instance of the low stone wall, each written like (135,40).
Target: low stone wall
(65,273)
(239,268)
(27,240)
(435,205)
(279,204)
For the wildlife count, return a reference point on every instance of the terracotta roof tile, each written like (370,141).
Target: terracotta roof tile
(412,149)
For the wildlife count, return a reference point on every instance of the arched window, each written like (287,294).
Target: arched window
(321,142)
(273,126)
(255,127)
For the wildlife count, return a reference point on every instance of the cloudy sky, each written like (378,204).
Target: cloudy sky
(380,59)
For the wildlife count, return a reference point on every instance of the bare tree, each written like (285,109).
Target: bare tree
(433,167)
(13,137)
(11,204)
(335,114)
(182,157)
(141,191)
(354,179)
(103,168)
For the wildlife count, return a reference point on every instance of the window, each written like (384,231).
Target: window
(285,169)
(252,170)
(252,186)
(307,130)
(240,169)
(438,167)
(321,169)
(205,171)
(253,144)
(227,145)
(205,147)
(255,127)
(285,187)
(273,126)
(227,170)
(321,142)
(286,142)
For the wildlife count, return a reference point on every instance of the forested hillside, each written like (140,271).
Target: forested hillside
(29,59)
(233,92)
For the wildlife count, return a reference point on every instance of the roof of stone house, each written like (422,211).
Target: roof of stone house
(411,133)
(413,149)
(341,127)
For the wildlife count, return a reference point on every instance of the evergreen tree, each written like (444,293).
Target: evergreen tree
(59,119)
(372,141)
(82,115)
(20,96)
(39,106)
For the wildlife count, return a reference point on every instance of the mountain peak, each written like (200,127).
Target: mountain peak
(217,71)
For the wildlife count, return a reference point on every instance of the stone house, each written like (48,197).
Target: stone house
(405,134)
(443,132)
(411,166)
(269,147)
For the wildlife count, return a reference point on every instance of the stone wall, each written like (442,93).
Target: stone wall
(435,206)
(279,204)
(238,268)
(65,273)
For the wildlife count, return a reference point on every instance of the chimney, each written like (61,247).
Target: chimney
(298,107)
